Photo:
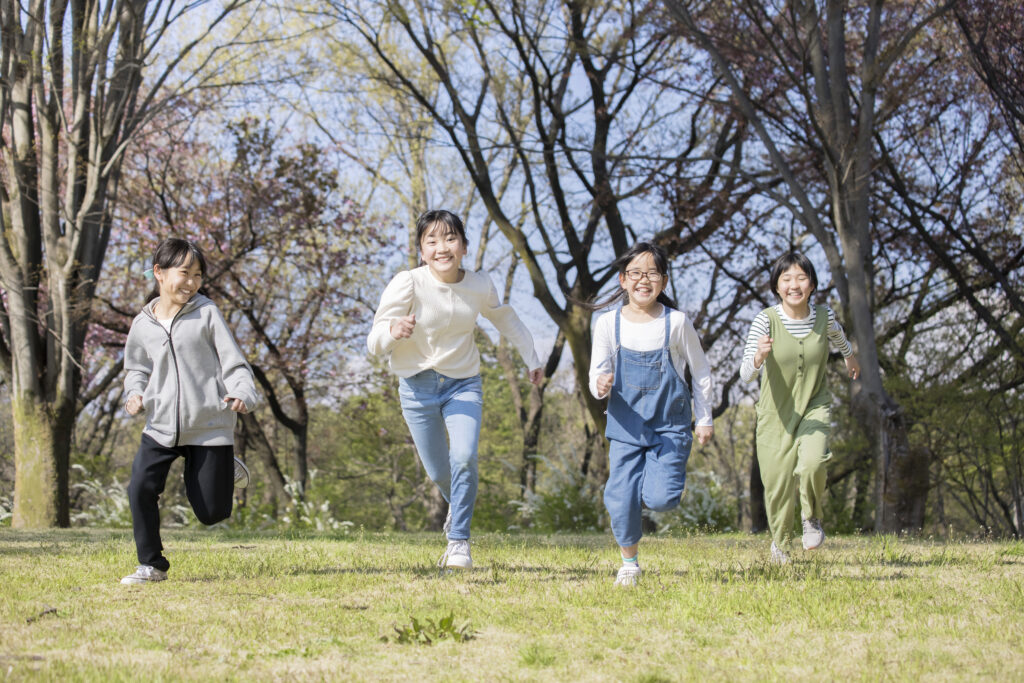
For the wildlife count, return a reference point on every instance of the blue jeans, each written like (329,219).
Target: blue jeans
(651,475)
(444,414)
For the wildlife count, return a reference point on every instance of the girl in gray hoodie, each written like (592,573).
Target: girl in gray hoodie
(187,373)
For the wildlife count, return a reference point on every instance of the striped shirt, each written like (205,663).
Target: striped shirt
(798,328)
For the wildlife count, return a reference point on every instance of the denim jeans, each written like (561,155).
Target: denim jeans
(444,414)
(644,476)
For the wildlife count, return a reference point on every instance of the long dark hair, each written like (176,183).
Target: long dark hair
(787,261)
(620,264)
(174,253)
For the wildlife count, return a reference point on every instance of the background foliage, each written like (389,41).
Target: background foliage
(563,131)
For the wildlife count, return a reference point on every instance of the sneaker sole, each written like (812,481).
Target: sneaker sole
(243,481)
(452,565)
(814,547)
(137,582)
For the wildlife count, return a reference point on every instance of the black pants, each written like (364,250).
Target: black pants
(209,485)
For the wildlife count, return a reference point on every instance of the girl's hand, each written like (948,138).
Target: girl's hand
(236,404)
(852,367)
(537,376)
(133,406)
(604,383)
(402,327)
(764,347)
(703,434)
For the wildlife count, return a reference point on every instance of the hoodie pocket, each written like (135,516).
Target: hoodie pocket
(205,407)
(161,410)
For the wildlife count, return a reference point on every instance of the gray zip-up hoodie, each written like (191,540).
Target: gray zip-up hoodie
(183,375)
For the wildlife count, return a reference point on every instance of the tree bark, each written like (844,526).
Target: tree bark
(758,512)
(41,463)
(62,148)
(843,137)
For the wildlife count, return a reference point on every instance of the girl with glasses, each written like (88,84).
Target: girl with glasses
(641,352)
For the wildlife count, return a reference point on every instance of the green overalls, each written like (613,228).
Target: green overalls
(793,423)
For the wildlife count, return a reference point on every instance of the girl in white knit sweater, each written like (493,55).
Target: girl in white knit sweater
(425,323)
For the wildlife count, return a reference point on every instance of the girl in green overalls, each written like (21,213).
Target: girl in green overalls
(788,344)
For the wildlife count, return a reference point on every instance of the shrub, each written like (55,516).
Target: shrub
(306,512)
(565,500)
(99,504)
(6,505)
(705,506)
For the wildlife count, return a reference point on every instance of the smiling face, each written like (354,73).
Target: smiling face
(179,283)
(794,287)
(643,292)
(442,250)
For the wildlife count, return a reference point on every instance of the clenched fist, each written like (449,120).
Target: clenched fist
(401,328)
(764,347)
(133,405)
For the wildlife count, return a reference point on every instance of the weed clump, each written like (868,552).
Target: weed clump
(427,631)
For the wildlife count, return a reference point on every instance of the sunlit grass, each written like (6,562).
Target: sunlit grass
(243,605)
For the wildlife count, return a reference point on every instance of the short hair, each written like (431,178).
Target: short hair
(787,261)
(448,220)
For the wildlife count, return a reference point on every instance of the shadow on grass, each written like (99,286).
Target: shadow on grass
(53,541)
(491,573)
(788,574)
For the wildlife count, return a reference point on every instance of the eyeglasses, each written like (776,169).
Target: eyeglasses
(652,276)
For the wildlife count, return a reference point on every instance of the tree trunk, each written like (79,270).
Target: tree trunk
(437,509)
(758,512)
(255,435)
(241,450)
(301,464)
(41,462)
(864,495)
(62,149)
(901,478)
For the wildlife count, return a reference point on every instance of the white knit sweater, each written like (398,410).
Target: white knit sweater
(445,319)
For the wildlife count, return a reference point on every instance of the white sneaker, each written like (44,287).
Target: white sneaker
(241,474)
(814,535)
(629,575)
(145,574)
(447,522)
(456,556)
(779,557)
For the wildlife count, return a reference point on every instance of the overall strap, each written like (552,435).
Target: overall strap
(774,321)
(668,323)
(821,322)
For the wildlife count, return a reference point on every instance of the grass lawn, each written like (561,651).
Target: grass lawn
(250,606)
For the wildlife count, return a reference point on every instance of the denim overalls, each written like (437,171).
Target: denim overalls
(649,435)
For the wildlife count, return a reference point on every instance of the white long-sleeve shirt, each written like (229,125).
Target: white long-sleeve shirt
(799,328)
(446,314)
(684,350)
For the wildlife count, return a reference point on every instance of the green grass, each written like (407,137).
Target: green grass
(250,606)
